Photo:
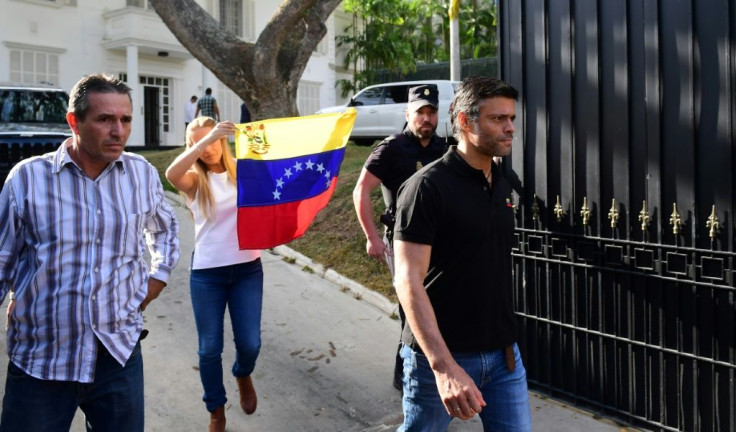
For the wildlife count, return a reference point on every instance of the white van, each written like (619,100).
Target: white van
(380,109)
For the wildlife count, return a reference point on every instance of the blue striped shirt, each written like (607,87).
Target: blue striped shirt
(72,249)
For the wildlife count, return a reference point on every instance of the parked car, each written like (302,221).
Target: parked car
(32,122)
(380,109)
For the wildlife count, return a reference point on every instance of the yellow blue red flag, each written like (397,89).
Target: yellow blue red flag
(287,172)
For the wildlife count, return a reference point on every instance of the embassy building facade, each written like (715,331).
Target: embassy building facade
(56,42)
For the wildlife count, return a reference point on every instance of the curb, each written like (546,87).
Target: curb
(358,291)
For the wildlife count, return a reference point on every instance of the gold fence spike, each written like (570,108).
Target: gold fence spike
(713,223)
(585,211)
(559,213)
(535,209)
(675,220)
(613,214)
(644,217)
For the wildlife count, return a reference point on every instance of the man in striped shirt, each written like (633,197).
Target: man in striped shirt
(75,224)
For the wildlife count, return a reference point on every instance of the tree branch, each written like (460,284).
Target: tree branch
(265,74)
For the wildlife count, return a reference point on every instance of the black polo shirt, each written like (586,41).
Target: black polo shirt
(470,226)
(398,157)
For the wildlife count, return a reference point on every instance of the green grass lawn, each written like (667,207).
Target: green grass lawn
(335,239)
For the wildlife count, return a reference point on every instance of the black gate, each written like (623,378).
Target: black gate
(624,171)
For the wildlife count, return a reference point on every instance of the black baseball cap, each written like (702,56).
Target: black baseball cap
(419,96)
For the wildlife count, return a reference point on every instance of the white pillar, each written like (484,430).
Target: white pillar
(455,71)
(209,80)
(137,137)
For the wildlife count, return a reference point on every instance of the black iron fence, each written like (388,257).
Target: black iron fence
(623,167)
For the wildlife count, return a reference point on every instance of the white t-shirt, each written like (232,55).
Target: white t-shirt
(190,110)
(216,239)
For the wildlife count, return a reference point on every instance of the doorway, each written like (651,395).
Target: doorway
(152,115)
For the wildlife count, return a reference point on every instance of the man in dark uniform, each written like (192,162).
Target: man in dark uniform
(393,161)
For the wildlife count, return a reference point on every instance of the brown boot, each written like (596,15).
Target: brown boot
(217,420)
(248,398)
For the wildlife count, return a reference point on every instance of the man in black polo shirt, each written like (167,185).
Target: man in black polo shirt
(453,236)
(393,161)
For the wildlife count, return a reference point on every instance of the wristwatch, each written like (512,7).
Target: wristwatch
(11,295)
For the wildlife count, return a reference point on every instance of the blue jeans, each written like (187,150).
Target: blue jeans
(505,393)
(240,288)
(114,401)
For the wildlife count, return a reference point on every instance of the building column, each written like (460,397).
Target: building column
(137,137)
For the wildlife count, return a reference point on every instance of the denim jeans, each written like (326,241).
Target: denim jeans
(505,393)
(240,288)
(114,401)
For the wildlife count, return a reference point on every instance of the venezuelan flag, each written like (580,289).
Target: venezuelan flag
(287,172)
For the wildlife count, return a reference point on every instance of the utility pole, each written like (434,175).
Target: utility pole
(454,13)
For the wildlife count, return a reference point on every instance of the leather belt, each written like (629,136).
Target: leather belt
(510,358)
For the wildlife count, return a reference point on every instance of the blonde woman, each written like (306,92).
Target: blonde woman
(221,274)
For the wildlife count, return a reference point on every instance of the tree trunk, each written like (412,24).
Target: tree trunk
(265,74)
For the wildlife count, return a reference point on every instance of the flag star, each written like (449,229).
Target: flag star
(320,168)
(279,183)
(298,166)
(327,184)
(276,195)
(327,174)
(287,172)
(309,164)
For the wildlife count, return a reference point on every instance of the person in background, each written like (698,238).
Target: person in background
(222,275)
(393,161)
(76,222)
(190,110)
(207,106)
(453,238)
(244,113)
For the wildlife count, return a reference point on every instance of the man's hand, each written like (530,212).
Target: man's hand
(376,248)
(459,394)
(155,287)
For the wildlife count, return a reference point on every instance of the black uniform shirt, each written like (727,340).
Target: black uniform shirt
(470,226)
(399,156)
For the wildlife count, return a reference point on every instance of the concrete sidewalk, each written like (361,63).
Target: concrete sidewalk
(326,363)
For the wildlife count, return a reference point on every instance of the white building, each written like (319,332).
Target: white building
(59,41)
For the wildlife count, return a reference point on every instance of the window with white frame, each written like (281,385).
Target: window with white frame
(34,66)
(231,16)
(238,17)
(307,97)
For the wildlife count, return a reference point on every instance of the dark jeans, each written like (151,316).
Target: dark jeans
(113,402)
